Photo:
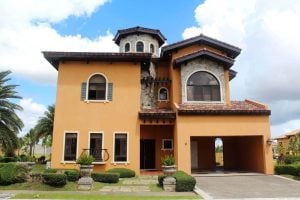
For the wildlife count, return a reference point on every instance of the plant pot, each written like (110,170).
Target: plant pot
(169,170)
(86,170)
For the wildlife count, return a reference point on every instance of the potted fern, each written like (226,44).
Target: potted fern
(168,165)
(85,161)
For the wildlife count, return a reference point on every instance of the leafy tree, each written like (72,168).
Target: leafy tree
(44,127)
(294,145)
(10,123)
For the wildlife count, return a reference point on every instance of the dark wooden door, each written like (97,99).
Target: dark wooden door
(147,154)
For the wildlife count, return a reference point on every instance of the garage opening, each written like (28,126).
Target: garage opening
(240,154)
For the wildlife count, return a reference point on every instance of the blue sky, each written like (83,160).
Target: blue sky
(267,31)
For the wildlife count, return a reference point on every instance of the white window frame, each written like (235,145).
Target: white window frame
(121,162)
(213,102)
(163,145)
(64,142)
(87,88)
(143,47)
(159,94)
(89,142)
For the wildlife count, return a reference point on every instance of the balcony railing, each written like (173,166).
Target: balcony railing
(100,155)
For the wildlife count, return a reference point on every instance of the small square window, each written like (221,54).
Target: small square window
(167,144)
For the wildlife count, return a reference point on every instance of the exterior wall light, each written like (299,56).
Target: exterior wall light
(269,141)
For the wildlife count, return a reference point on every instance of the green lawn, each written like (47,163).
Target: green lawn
(297,178)
(97,196)
(38,168)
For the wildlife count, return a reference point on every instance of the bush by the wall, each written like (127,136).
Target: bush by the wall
(292,169)
(290,159)
(161,179)
(184,182)
(12,173)
(53,179)
(8,159)
(50,170)
(106,177)
(72,175)
(124,172)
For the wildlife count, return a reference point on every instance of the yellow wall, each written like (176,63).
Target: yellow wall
(72,114)
(189,126)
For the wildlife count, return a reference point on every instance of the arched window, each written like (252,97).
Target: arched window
(127,47)
(163,94)
(203,86)
(97,87)
(151,48)
(139,46)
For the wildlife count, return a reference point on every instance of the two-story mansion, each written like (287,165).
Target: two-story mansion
(128,109)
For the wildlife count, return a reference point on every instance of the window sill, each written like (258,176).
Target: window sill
(203,102)
(120,163)
(167,149)
(96,101)
(99,163)
(163,100)
(68,162)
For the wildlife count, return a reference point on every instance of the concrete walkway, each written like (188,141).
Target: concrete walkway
(244,187)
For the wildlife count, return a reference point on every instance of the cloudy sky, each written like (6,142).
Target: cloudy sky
(268,32)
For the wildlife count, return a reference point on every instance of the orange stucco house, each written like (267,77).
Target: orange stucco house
(130,108)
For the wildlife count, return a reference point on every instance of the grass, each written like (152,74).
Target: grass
(297,178)
(97,196)
(155,188)
(38,168)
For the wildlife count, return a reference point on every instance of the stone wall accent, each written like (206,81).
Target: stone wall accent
(148,91)
(145,38)
(201,65)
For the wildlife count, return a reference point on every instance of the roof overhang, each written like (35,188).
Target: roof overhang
(54,58)
(140,30)
(224,112)
(230,50)
(225,61)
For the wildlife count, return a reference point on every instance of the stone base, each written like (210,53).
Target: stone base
(169,184)
(85,183)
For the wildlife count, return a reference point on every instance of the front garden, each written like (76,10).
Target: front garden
(289,166)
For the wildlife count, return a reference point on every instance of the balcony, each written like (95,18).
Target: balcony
(100,155)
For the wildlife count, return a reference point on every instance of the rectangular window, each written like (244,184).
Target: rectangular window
(96,146)
(167,144)
(120,148)
(70,147)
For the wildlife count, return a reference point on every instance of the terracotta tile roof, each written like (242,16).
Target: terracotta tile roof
(246,107)
(288,134)
(156,113)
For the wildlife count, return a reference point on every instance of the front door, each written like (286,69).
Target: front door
(147,154)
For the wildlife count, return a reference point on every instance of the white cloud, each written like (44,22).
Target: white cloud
(31,113)
(25,31)
(268,33)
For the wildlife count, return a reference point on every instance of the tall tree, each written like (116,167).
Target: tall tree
(44,126)
(10,123)
(30,140)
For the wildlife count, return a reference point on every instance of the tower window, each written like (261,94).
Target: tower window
(127,47)
(151,48)
(140,47)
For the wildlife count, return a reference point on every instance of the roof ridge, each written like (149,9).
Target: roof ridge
(256,103)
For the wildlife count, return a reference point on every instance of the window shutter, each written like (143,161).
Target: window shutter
(83,91)
(110,91)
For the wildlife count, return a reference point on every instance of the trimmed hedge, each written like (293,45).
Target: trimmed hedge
(50,170)
(292,169)
(290,159)
(57,180)
(12,173)
(184,182)
(124,173)
(8,159)
(106,177)
(161,179)
(72,175)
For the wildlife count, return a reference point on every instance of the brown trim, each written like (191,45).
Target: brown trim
(232,74)
(231,50)
(136,30)
(54,58)
(158,115)
(227,62)
(224,112)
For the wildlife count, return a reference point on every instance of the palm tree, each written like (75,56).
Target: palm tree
(10,123)
(30,140)
(44,126)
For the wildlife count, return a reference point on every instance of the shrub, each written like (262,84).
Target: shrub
(290,159)
(25,158)
(50,170)
(9,159)
(168,160)
(161,179)
(12,173)
(124,172)
(72,175)
(292,169)
(85,159)
(184,182)
(106,177)
(57,180)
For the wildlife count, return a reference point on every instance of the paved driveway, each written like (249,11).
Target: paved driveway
(255,186)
